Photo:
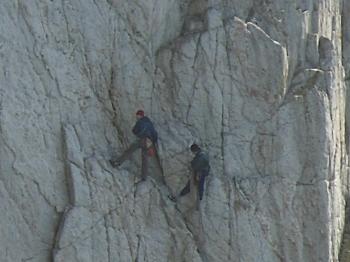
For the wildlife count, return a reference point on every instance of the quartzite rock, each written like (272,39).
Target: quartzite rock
(259,84)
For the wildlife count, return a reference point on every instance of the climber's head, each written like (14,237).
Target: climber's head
(195,148)
(140,114)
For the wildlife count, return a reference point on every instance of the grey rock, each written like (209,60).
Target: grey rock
(259,84)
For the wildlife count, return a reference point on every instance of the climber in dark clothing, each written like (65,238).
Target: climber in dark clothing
(147,140)
(200,167)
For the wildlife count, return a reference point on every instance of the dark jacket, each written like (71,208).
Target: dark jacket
(200,163)
(144,129)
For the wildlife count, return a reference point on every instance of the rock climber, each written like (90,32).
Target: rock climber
(147,138)
(200,168)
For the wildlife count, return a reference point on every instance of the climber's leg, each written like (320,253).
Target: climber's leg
(127,153)
(186,189)
(144,165)
(201,186)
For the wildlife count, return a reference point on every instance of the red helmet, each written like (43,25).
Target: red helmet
(140,113)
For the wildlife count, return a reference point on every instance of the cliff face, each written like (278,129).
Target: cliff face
(259,84)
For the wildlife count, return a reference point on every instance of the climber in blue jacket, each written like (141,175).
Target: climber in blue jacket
(147,138)
(200,168)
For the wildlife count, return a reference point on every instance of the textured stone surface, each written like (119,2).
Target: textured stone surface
(260,84)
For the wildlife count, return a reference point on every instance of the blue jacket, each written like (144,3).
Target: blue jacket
(200,163)
(144,128)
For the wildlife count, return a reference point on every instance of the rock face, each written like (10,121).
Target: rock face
(259,84)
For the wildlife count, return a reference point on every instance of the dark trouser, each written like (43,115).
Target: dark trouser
(201,186)
(141,143)
(186,189)
(201,183)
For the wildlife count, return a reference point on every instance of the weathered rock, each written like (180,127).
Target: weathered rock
(259,84)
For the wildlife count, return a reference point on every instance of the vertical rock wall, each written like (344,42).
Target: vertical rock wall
(260,84)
